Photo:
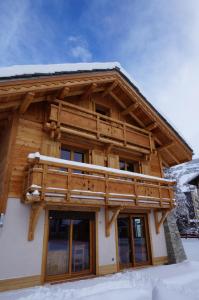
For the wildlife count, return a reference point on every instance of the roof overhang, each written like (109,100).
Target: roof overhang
(42,83)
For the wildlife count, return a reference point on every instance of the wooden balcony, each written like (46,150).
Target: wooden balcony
(60,182)
(68,118)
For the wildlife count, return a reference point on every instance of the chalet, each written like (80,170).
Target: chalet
(82,191)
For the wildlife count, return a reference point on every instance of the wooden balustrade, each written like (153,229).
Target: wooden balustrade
(68,118)
(60,182)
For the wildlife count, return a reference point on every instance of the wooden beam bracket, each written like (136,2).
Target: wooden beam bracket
(109,221)
(159,222)
(34,217)
(26,102)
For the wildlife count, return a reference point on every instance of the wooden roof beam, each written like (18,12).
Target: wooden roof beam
(173,156)
(110,88)
(89,91)
(151,126)
(117,99)
(26,102)
(130,108)
(166,146)
(63,93)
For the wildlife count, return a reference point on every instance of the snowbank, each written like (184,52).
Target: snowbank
(177,282)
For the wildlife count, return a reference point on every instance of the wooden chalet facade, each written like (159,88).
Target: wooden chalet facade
(81,166)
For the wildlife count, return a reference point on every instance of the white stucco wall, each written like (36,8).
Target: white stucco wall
(18,256)
(158,240)
(107,245)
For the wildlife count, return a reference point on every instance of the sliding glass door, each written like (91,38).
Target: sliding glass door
(70,243)
(133,241)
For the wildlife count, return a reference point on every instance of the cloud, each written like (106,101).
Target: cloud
(77,48)
(161,52)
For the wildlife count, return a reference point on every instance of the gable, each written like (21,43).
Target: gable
(110,87)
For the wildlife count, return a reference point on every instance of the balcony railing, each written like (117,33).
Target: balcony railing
(61,182)
(72,119)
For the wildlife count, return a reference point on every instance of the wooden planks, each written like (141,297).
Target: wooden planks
(96,187)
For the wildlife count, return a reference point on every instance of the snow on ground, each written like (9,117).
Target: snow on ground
(179,282)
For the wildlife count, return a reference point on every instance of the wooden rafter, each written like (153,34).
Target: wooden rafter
(159,222)
(63,93)
(151,126)
(109,88)
(130,108)
(173,156)
(110,221)
(166,146)
(89,91)
(26,102)
(117,99)
(35,211)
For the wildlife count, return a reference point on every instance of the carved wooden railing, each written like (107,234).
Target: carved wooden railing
(56,181)
(68,118)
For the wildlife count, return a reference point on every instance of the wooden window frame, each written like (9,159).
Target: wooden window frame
(148,241)
(128,161)
(94,264)
(73,150)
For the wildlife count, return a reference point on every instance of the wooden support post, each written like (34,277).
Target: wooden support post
(160,193)
(108,222)
(26,102)
(34,216)
(158,222)
(136,194)
(69,184)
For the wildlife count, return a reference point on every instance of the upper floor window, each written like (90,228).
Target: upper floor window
(74,155)
(103,110)
(131,166)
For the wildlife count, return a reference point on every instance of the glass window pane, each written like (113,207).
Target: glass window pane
(130,167)
(124,241)
(58,246)
(140,243)
(66,154)
(79,156)
(81,245)
(122,165)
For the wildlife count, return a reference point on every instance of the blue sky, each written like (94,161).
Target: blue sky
(157,41)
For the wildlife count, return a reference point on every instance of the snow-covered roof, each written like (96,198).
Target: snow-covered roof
(24,71)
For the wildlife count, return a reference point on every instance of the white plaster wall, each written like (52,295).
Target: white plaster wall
(107,245)
(158,240)
(18,256)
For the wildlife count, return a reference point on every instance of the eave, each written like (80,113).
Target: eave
(18,93)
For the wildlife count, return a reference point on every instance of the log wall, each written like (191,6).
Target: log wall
(31,137)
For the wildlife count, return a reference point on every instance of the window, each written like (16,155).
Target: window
(103,110)
(74,155)
(67,154)
(130,166)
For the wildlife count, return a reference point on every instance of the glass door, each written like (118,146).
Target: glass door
(133,241)
(70,244)
(124,241)
(140,245)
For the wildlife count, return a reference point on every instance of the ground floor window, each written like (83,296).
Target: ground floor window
(70,243)
(133,240)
